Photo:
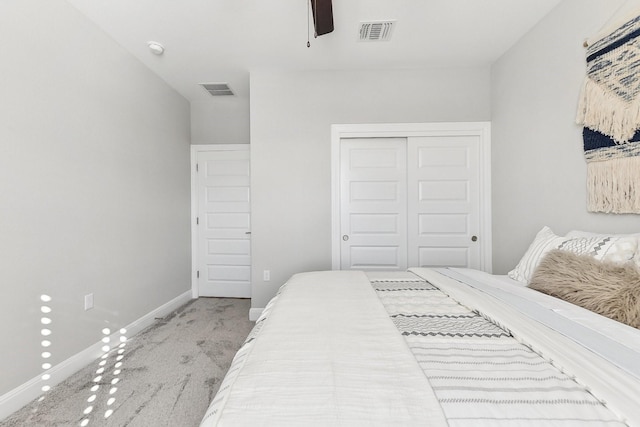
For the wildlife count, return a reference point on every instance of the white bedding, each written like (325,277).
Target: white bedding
(600,324)
(325,352)
(297,374)
(602,354)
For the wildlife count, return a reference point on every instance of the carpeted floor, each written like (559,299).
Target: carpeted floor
(168,374)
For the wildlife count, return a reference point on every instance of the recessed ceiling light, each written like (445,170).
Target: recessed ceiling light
(155,48)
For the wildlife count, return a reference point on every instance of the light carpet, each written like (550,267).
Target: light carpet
(169,373)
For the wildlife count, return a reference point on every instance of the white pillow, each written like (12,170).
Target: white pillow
(618,249)
(579,233)
(544,241)
(614,248)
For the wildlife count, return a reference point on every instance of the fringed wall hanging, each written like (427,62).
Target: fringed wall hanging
(609,110)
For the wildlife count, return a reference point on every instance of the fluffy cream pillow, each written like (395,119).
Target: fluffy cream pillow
(607,288)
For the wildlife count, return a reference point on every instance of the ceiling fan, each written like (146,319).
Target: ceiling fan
(322,16)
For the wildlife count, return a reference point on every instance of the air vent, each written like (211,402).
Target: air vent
(217,89)
(376,31)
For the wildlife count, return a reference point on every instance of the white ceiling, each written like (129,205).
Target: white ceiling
(223,40)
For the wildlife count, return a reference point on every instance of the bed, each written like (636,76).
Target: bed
(434,347)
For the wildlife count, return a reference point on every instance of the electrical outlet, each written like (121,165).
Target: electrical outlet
(266,275)
(88,302)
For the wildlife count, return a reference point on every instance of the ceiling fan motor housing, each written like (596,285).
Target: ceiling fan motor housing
(322,16)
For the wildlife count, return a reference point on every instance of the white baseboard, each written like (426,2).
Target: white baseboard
(254,313)
(25,393)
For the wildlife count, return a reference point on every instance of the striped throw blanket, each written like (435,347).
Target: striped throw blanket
(480,373)
(609,110)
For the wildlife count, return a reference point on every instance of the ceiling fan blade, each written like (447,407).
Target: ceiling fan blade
(322,16)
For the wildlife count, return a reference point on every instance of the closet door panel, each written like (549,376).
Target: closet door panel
(373,197)
(443,201)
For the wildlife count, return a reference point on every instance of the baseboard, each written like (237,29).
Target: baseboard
(148,319)
(254,313)
(25,393)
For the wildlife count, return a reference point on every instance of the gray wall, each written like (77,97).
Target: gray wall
(538,168)
(94,185)
(291,118)
(221,120)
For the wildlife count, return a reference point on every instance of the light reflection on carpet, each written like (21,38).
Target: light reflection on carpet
(99,379)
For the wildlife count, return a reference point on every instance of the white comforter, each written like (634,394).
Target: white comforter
(328,353)
(298,374)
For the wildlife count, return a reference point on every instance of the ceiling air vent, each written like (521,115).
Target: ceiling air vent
(376,31)
(217,89)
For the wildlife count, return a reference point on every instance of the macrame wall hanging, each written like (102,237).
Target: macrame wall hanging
(609,110)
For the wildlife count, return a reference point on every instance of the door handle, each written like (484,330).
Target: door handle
(247,232)
(345,237)
(474,238)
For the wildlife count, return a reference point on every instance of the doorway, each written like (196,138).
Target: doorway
(221,229)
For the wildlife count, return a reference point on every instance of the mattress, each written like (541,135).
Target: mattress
(428,347)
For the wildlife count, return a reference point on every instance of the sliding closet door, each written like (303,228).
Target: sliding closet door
(444,188)
(416,196)
(373,198)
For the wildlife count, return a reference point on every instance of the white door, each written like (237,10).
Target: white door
(223,227)
(413,201)
(374,203)
(444,203)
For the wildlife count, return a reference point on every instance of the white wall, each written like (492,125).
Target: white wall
(222,120)
(538,168)
(94,185)
(291,118)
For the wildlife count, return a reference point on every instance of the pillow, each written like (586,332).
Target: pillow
(544,241)
(614,248)
(609,289)
(579,233)
(620,249)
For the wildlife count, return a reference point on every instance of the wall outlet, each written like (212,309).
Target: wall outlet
(88,302)
(266,275)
